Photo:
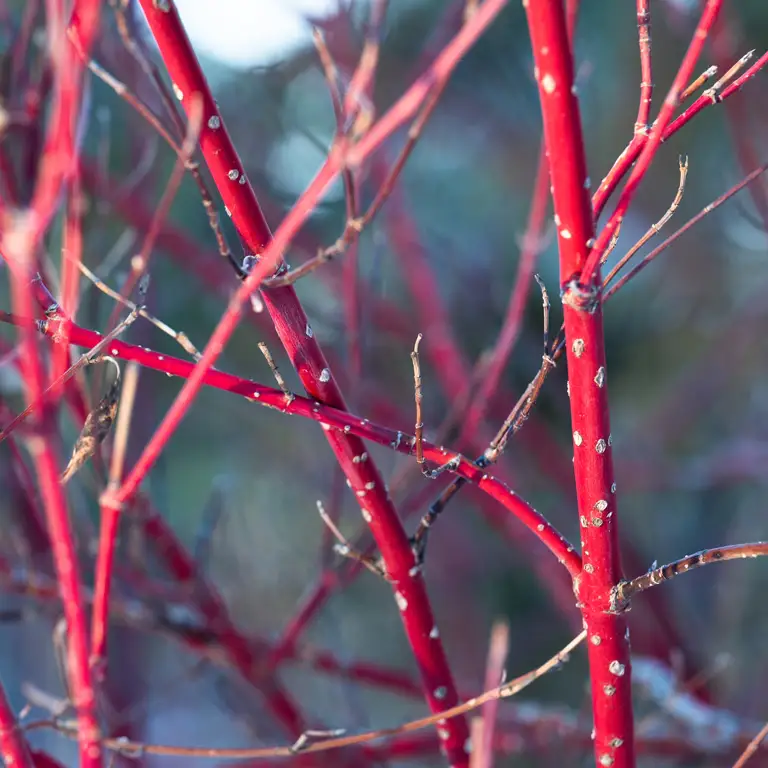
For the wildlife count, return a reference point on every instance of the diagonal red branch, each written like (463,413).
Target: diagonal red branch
(330,419)
(609,658)
(296,335)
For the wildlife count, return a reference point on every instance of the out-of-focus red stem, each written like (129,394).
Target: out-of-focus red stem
(723,46)
(409,104)
(513,319)
(19,243)
(42,450)
(608,642)
(110,517)
(72,253)
(59,151)
(242,653)
(13,745)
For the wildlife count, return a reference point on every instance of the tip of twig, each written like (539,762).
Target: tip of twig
(747,56)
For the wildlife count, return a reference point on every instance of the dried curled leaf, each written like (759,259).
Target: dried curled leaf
(96,428)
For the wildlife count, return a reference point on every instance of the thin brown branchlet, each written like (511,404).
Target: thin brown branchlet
(626,590)
(136,48)
(311,741)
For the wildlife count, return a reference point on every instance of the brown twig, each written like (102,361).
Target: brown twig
(180,337)
(704,77)
(624,591)
(418,396)
(354,227)
(690,223)
(752,747)
(264,349)
(512,424)
(655,228)
(344,548)
(133,748)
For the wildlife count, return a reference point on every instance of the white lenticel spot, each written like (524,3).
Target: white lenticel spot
(616,668)
(548,83)
(600,376)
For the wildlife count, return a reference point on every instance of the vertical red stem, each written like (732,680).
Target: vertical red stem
(18,243)
(608,639)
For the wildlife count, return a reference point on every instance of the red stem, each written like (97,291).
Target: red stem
(331,419)
(13,745)
(609,658)
(19,246)
(295,333)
